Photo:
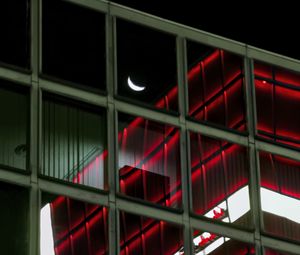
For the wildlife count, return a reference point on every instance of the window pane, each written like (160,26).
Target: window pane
(141,235)
(147,66)
(74,139)
(220,180)
(280,195)
(216,86)
(277,102)
(72,227)
(73,43)
(213,244)
(274,252)
(149,161)
(14,216)
(13,125)
(14,27)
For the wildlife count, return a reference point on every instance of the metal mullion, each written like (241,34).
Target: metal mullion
(278,150)
(34,201)
(15,177)
(146,113)
(273,58)
(218,133)
(172,27)
(71,92)
(222,229)
(101,6)
(253,157)
(86,195)
(185,177)
(15,76)
(113,233)
(143,209)
(281,245)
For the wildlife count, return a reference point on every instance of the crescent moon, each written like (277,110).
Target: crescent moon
(133,86)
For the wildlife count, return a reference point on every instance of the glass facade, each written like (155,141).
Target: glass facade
(149,161)
(216,86)
(147,66)
(142,235)
(280,194)
(277,101)
(220,180)
(13,125)
(122,133)
(70,226)
(74,142)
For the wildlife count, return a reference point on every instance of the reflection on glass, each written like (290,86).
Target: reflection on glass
(149,161)
(14,215)
(274,252)
(216,86)
(209,243)
(73,43)
(13,126)
(15,31)
(147,66)
(142,236)
(280,195)
(220,180)
(277,94)
(72,227)
(74,143)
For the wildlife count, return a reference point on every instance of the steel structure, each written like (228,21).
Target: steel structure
(39,85)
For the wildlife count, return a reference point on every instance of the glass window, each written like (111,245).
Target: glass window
(275,252)
(220,180)
(13,125)
(72,227)
(277,102)
(14,219)
(216,86)
(209,243)
(141,235)
(74,142)
(73,45)
(280,195)
(15,27)
(149,161)
(147,66)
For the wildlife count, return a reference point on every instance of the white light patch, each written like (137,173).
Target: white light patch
(238,204)
(134,86)
(214,245)
(210,214)
(46,242)
(280,205)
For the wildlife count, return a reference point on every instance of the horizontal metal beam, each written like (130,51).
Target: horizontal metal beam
(273,58)
(217,133)
(74,93)
(276,149)
(15,177)
(148,211)
(146,112)
(222,230)
(73,192)
(280,245)
(15,76)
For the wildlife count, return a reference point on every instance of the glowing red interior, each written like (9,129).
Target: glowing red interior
(278,104)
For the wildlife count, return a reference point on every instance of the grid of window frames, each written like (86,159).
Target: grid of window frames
(122,133)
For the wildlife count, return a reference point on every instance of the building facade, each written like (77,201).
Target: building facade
(123,133)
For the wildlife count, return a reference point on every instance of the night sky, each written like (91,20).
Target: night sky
(274,27)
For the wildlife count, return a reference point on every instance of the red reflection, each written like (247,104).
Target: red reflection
(278,96)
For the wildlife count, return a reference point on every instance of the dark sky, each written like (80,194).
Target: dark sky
(274,27)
